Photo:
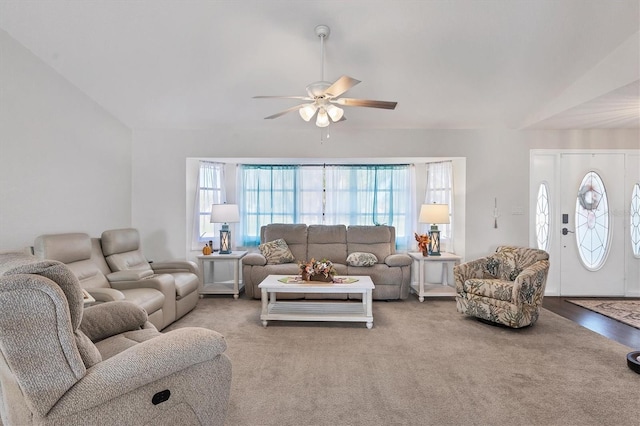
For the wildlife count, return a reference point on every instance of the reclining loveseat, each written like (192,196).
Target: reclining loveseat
(167,293)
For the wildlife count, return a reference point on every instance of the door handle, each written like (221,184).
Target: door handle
(565,231)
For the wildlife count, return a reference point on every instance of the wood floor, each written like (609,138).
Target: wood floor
(614,330)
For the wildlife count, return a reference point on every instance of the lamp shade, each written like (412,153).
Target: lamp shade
(434,213)
(224,213)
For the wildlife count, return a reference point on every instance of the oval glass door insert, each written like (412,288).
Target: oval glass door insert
(592,222)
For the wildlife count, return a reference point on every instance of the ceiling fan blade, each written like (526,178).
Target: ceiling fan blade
(365,103)
(340,86)
(306,98)
(295,108)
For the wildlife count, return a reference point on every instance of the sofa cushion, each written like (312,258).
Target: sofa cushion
(361,259)
(294,234)
(379,240)
(276,252)
(508,262)
(65,248)
(494,289)
(186,283)
(327,242)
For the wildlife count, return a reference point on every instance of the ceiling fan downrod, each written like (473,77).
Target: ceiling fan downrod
(323,32)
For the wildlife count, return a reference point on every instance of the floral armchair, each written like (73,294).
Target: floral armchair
(505,288)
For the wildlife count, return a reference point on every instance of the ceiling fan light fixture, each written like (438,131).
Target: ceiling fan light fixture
(326,96)
(323,118)
(335,112)
(307,111)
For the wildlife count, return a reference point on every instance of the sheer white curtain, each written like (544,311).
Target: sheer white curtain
(372,195)
(327,194)
(209,190)
(267,194)
(440,191)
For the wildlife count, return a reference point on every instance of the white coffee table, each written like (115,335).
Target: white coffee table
(304,310)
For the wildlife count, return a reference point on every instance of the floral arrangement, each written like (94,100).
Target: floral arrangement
(423,242)
(314,267)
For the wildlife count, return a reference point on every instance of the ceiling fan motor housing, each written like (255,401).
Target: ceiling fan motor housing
(317,89)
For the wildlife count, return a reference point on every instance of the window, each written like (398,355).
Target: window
(542,217)
(440,191)
(268,195)
(326,194)
(369,195)
(592,221)
(210,190)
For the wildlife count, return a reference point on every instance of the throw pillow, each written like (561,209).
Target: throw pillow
(276,252)
(361,259)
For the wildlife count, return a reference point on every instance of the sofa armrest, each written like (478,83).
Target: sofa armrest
(254,259)
(528,286)
(105,294)
(140,365)
(162,282)
(169,266)
(129,275)
(472,269)
(108,319)
(398,259)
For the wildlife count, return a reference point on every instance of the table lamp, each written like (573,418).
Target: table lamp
(225,214)
(434,214)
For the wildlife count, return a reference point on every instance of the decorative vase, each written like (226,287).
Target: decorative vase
(322,278)
(319,278)
(425,252)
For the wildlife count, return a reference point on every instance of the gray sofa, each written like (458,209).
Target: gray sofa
(391,275)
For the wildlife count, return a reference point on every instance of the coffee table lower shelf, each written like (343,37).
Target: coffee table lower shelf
(317,311)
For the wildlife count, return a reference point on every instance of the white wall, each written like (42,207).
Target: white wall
(497,167)
(65,164)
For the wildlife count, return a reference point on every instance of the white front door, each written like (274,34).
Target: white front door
(592,206)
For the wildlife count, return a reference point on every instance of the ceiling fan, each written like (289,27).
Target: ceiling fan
(325,96)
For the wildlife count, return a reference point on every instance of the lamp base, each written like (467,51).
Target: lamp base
(225,240)
(434,241)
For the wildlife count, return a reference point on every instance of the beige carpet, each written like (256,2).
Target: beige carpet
(625,311)
(421,364)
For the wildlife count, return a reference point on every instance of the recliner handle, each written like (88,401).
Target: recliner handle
(161,396)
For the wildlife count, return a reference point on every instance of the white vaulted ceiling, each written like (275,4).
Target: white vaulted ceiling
(450,64)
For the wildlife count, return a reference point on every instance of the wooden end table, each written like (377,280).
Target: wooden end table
(223,287)
(424,289)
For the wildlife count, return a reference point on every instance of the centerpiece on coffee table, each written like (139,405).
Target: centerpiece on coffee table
(317,270)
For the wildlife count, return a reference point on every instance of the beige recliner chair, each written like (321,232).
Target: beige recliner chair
(505,288)
(83,255)
(61,364)
(122,251)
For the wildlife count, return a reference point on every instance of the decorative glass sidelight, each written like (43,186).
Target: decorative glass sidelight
(542,217)
(634,215)
(592,222)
